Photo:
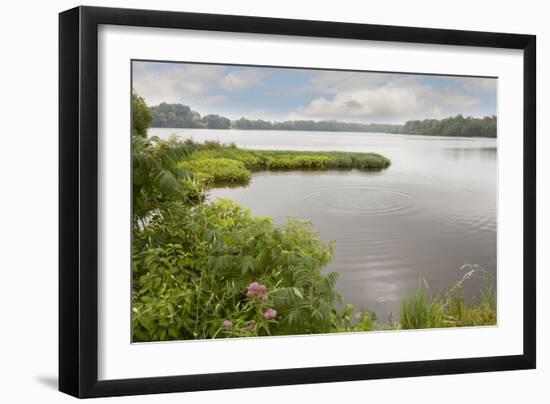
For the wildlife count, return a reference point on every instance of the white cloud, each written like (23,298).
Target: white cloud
(384,101)
(331,82)
(199,86)
(241,79)
(382,98)
(175,83)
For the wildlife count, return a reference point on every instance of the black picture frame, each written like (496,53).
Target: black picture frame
(78,200)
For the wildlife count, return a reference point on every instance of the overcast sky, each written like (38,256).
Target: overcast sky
(289,94)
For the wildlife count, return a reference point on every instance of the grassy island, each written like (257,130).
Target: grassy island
(220,164)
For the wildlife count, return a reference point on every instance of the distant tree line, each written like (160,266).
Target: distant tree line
(181,116)
(321,126)
(456,126)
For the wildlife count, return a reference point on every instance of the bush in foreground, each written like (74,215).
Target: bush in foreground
(193,271)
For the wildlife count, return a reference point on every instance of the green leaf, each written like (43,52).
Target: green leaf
(298,293)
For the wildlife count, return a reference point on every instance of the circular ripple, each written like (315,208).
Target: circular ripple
(359,201)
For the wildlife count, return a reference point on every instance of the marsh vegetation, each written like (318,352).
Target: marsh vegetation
(220,163)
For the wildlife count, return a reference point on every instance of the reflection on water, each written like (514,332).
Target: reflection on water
(457,153)
(430,212)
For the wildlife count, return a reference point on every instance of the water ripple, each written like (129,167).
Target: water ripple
(363,201)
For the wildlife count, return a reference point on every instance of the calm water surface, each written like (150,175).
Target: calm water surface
(430,212)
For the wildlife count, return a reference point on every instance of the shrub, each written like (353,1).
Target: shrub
(156,179)
(367,321)
(193,270)
(141,116)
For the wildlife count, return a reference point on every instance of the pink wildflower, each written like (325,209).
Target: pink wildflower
(250,326)
(270,313)
(227,324)
(256,289)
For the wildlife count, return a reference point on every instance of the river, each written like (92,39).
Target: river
(433,210)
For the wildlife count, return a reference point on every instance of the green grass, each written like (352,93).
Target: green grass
(221,164)
(422,310)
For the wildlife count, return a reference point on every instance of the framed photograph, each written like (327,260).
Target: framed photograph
(251,201)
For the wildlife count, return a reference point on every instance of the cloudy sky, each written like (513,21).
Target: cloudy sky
(288,94)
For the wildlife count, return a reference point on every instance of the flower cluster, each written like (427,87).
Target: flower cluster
(228,324)
(270,313)
(258,290)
